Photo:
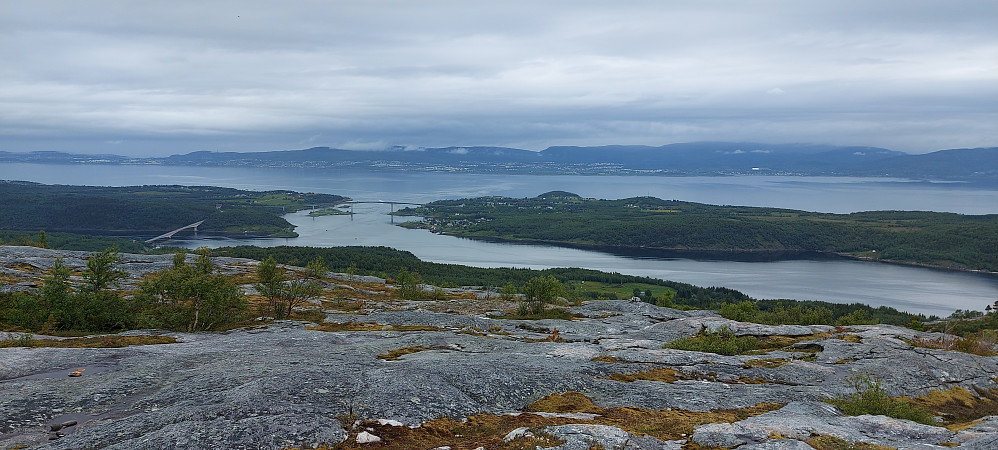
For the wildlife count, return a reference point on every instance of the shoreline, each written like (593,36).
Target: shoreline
(737,255)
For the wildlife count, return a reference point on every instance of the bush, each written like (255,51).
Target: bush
(870,398)
(722,342)
(191,297)
(537,292)
(408,284)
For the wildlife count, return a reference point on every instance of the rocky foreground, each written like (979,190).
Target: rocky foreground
(392,369)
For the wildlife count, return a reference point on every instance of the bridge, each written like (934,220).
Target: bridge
(170,234)
(382,202)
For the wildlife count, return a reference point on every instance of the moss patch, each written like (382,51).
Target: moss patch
(664,424)
(343,304)
(676,424)
(834,443)
(482,430)
(486,430)
(725,342)
(871,398)
(959,407)
(400,352)
(768,363)
(552,313)
(569,402)
(370,326)
(850,338)
(970,345)
(89,342)
(663,374)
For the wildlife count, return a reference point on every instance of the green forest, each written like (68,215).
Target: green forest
(150,210)
(580,284)
(930,238)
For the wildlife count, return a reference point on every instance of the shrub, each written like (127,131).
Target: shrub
(722,342)
(871,398)
(981,343)
(190,298)
(408,284)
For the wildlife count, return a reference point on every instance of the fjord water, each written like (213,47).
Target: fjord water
(907,288)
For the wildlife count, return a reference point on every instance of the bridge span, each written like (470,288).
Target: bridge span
(383,202)
(170,234)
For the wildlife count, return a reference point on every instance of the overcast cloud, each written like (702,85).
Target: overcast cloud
(156,78)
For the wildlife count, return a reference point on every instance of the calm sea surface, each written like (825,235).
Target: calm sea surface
(906,288)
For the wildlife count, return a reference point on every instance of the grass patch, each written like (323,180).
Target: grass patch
(959,407)
(725,342)
(722,342)
(486,430)
(88,342)
(553,313)
(834,443)
(870,398)
(665,424)
(607,359)
(480,430)
(668,375)
(767,363)
(308,315)
(569,402)
(344,305)
(855,339)
(971,344)
(663,374)
(394,355)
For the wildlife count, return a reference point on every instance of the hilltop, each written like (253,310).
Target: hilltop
(452,371)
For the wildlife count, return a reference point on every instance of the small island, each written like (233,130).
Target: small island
(329,212)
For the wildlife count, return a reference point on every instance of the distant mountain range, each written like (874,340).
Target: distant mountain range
(698,158)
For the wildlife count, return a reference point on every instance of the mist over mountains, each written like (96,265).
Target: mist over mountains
(699,158)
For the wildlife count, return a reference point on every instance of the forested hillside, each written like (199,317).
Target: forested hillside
(149,209)
(579,284)
(930,238)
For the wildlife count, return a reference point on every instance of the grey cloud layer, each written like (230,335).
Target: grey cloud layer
(180,76)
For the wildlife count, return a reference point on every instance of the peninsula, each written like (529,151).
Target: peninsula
(945,240)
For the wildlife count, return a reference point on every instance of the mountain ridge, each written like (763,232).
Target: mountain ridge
(695,158)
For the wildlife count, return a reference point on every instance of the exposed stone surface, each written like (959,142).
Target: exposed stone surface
(283,385)
(367,438)
(584,437)
(801,420)
(981,436)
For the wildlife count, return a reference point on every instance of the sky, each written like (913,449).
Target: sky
(160,78)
